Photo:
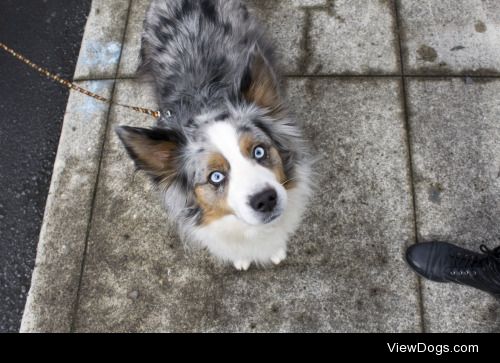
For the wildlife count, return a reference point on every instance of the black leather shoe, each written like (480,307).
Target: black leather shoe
(444,262)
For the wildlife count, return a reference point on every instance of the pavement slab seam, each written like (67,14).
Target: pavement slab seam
(73,178)
(89,223)
(409,151)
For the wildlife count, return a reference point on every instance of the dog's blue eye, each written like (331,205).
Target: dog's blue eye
(259,153)
(216,177)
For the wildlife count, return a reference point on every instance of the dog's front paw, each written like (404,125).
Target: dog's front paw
(278,256)
(242,265)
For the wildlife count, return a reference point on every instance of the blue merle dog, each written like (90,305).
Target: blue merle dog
(231,166)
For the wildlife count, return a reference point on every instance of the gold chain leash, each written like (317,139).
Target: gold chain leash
(73,86)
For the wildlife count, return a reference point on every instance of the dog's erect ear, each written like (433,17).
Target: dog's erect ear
(153,150)
(259,83)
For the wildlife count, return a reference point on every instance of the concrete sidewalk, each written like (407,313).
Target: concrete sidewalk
(401,101)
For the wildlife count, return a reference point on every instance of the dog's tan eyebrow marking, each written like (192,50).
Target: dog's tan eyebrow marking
(277,167)
(217,162)
(246,144)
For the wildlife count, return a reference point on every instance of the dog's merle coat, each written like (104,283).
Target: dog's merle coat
(210,62)
(199,53)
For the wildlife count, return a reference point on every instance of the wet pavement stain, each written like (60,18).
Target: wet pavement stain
(480,26)
(435,191)
(426,53)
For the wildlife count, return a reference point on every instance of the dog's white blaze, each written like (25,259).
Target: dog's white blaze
(246,177)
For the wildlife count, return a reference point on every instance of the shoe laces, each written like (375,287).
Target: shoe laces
(463,264)
(494,253)
(469,263)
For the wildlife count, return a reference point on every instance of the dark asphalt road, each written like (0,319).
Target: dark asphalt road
(31,113)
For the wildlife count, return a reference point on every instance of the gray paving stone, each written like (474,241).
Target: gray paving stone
(345,271)
(102,40)
(284,22)
(311,36)
(332,37)
(132,43)
(310,3)
(54,284)
(352,37)
(456,154)
(451,36)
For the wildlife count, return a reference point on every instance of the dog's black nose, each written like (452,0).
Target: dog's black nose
(264,201)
